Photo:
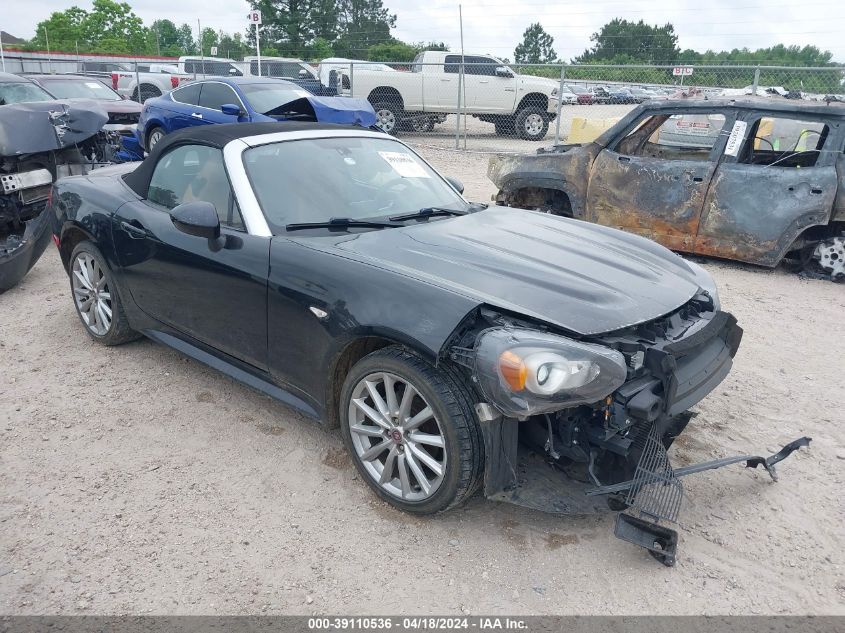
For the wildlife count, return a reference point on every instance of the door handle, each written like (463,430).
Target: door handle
(624,159)
(196,115)
(135,232)
(484,81)
(445,79)
(816,190)
(697,179)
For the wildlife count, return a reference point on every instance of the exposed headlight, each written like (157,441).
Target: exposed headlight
(554,92)
(525,372)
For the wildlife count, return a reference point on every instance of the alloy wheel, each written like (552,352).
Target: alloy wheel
(155,136)
(397,437)
(91,294)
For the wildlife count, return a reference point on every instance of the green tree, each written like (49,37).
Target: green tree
(187,44)
(209,38)
(288,25)
(114,27)
(64,30)
(636,41)
(536,47)
(165,35)
(362,24)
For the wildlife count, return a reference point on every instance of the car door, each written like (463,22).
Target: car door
(183,104)
(213,96)
(488,91)
(652,180)
(776,178)
(441,89)
(213,291)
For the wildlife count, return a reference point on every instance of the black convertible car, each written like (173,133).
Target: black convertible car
(334,269)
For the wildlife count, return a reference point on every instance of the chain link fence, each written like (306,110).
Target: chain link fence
(467,103)
(481,105)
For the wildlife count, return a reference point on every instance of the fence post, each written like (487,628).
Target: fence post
(756,81)
(559,104)
(138,83)
(351,81)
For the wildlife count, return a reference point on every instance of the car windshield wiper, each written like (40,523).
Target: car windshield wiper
(342,223)
(425,213)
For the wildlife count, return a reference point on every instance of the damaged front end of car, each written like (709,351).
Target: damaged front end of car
(39,143)
(582,425)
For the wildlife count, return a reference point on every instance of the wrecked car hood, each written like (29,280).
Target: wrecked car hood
(22,129)
(585,278)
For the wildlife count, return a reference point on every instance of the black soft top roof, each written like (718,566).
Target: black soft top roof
(216,136)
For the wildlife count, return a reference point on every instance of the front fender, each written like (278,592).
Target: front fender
(566,171)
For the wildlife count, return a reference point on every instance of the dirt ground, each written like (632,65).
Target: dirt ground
(133,480)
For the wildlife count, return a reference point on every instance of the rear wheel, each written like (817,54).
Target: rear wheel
(411,431)
(95,297)
(155,135)
(532,123)
(388,116)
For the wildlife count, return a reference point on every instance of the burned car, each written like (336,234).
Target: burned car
(333,269)
(753,180)
(40,141)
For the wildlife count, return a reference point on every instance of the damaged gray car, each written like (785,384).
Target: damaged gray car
(41,140)
(752,180)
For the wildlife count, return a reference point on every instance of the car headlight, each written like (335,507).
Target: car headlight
(554,92)
(525,372)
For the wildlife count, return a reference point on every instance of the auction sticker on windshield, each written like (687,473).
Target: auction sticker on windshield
(735,139)
(404,165)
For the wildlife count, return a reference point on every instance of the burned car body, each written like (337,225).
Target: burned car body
(40,142)
(746,179)
(333,269)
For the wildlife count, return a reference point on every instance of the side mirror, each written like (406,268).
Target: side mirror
(457,185)
(303,74)
(502,71)
(231,109)
(197,218)
(234,71)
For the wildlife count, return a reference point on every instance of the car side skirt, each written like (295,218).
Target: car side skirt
(249,378)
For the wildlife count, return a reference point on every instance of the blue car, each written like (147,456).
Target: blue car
(243,100)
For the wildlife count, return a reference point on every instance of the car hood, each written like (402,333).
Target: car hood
(581,277)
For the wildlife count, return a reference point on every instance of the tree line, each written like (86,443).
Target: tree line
(309,29)
(361,29)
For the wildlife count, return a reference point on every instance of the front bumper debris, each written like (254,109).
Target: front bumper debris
(655,493)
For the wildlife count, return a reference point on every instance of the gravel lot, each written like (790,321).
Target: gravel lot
(133,480)
(480,136)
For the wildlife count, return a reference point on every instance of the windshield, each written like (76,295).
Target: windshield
(22,92)
(266,97)
(81,89)
(315,180)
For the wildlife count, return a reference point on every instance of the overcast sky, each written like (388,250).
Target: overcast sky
(496,26)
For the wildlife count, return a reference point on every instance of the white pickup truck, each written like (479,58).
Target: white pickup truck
(520,105)
(151,80)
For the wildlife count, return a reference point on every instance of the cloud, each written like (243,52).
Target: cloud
(496,26)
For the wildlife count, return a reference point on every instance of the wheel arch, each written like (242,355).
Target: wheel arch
(527,193)
(537,99)
(71,235)
(350,353)
(386,93)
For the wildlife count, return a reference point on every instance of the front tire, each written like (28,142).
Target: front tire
(96,298)
(388,116)
(155,135)
(411,430)
(532,123)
